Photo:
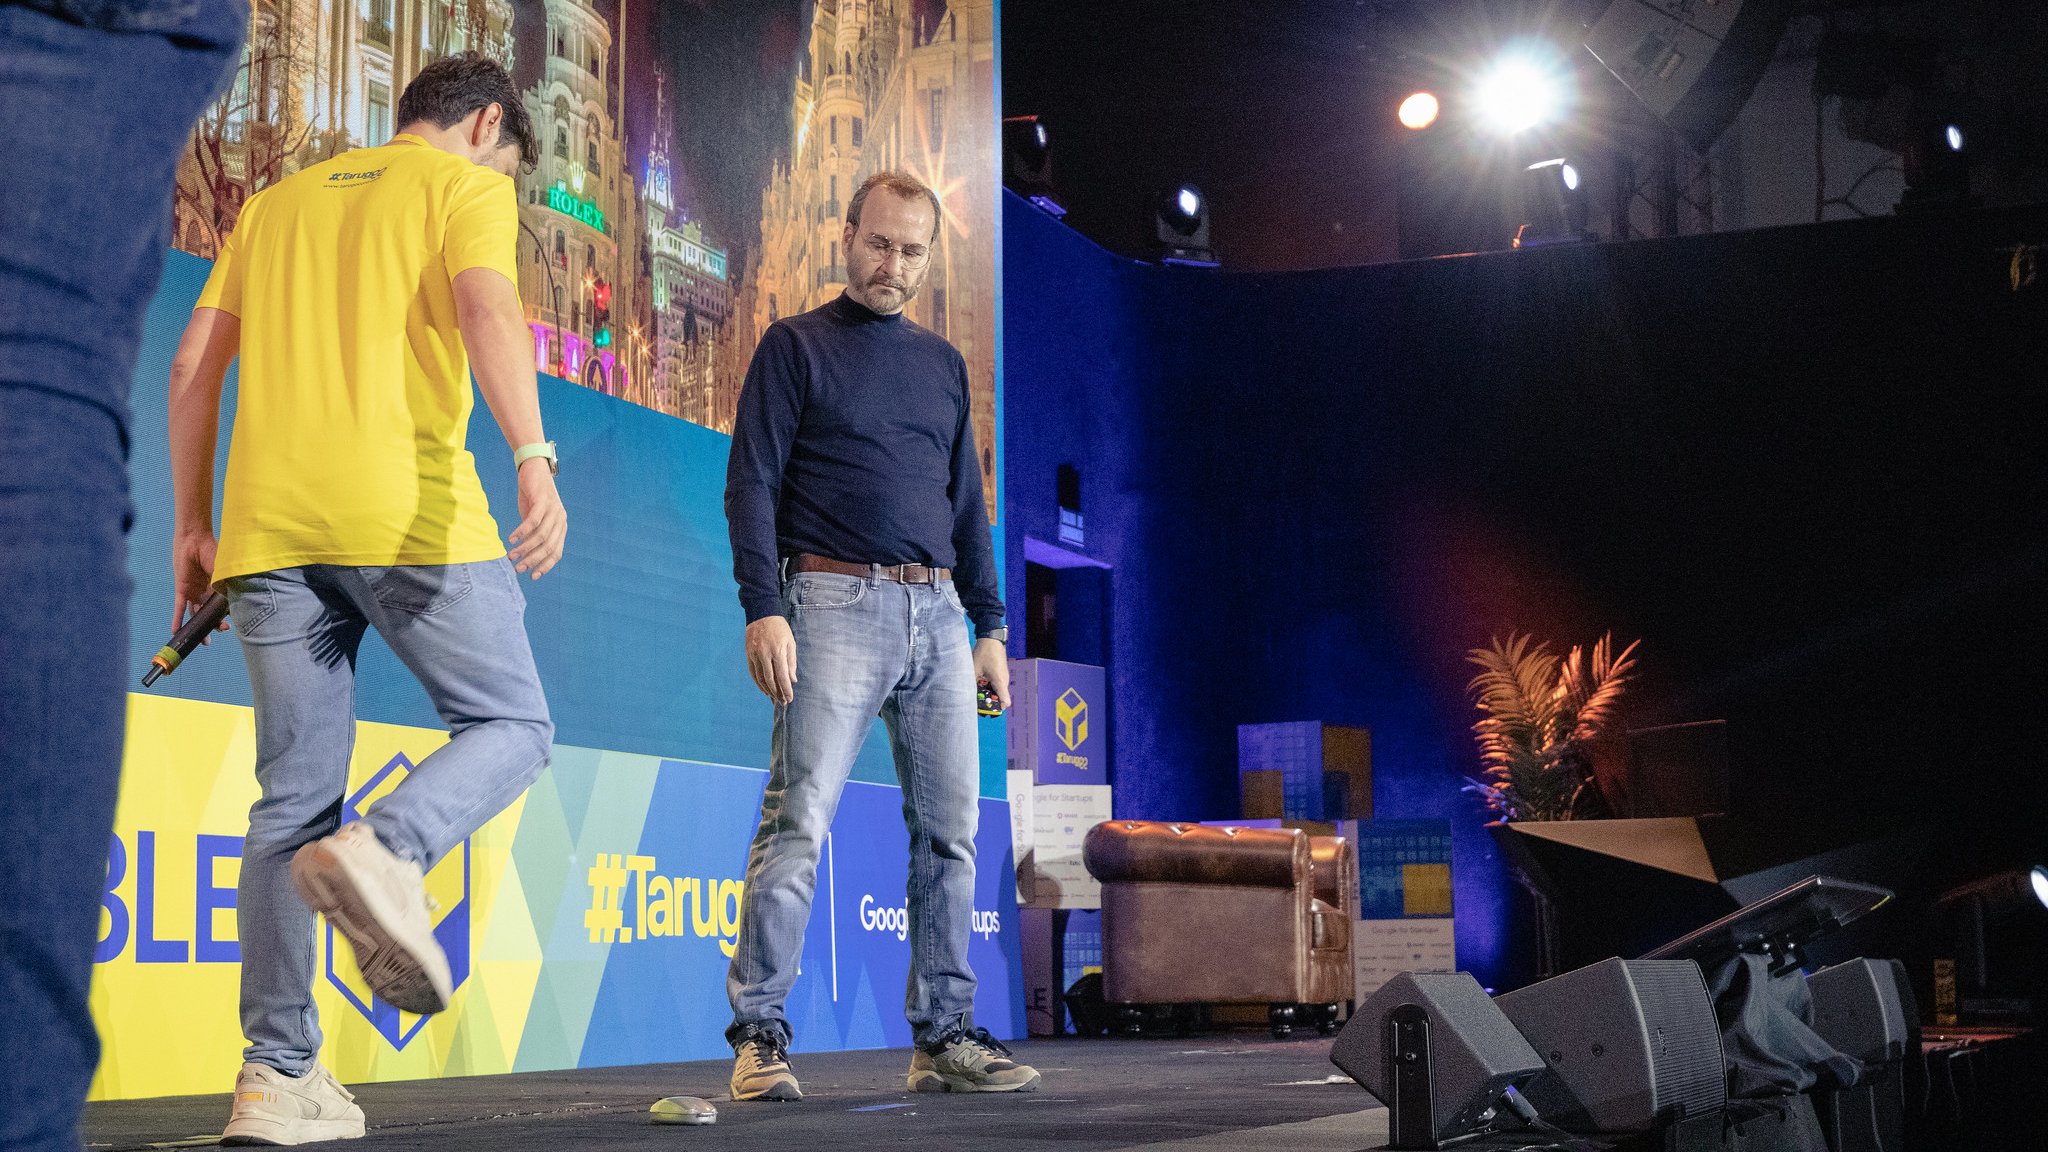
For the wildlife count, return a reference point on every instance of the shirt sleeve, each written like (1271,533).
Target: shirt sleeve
(483,224)
(224,284)
(974,571)
(771,403)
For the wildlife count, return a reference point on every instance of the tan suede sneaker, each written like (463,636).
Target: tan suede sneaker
(970,1062)
(760,1069)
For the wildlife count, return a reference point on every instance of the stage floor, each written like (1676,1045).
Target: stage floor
(1233,1092)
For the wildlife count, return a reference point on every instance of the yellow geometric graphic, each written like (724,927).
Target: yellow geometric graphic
(1070,719)
(1425,889)
(164,994)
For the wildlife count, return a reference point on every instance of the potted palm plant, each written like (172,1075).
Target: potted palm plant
(1539,719)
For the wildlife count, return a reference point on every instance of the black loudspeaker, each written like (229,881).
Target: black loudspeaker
(1858,1008)
(1692,64)
(1437,1052)
(1631,1045)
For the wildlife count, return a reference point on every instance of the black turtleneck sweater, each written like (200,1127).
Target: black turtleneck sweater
(853,442)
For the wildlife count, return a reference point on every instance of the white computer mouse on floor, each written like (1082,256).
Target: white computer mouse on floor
(683,1110)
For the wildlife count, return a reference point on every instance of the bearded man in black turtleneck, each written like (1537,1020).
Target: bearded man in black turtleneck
(861,546)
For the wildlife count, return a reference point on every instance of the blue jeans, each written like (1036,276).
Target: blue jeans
(867,646)
(63,694)
(461,629)
(96,104)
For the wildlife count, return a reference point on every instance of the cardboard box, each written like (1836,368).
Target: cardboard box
(1261,794)
(1305,771)
(1059,722)
(1058,778)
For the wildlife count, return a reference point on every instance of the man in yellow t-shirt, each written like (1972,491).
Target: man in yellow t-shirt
(359,294)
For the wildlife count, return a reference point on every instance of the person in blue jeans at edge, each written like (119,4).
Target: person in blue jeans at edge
(97,102)
(860,541)
(358,295)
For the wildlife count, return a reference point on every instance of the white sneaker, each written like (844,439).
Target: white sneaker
(273,1108)
(380,903)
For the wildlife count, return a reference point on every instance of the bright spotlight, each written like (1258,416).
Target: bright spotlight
(1520,92)
(1954,135)
(1418,111)
(1181,218)
(2040,878)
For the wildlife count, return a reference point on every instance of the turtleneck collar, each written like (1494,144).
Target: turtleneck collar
(854,312)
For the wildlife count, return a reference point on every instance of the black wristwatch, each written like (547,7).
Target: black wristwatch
(1000,634)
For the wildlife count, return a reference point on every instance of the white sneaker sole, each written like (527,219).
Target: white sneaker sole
(261,1131)
(405,968)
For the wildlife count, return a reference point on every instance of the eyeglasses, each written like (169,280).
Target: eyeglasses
(914,255)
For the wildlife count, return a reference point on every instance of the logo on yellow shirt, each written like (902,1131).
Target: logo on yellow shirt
(351,179)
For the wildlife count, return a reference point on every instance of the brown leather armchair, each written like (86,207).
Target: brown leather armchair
(1193,914)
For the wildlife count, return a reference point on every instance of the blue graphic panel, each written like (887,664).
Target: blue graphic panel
(1385,848)
(661,997)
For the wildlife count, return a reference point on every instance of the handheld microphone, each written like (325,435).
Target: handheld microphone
(203,621)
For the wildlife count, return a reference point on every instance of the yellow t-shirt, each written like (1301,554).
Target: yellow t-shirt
(354,402)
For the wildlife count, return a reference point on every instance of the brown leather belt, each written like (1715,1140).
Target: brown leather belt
(900,573)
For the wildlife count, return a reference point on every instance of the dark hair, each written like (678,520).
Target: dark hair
(901,183)
(449,89)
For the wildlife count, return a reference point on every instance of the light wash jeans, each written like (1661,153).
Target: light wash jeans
(867,646)
(461,629)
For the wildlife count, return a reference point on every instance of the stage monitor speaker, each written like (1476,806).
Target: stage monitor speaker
(1860,1008)
(1692,64)
(1631,1045)
(1436,1050)
(1857,1009)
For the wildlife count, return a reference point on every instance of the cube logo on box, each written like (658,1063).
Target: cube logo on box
(1070,719)
(447,885)
(1059,728)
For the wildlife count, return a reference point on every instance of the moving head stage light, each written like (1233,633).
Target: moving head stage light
(1181,219)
